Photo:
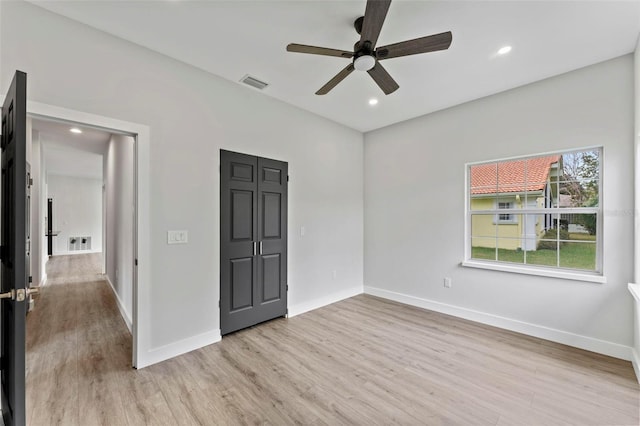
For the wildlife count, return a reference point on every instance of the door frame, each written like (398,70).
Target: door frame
(141,306)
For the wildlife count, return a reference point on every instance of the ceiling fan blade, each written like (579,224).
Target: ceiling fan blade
(383,79)
(335,80)
(374,15)
(426,44)
(314,50)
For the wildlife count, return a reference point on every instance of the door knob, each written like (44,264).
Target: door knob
(8,295)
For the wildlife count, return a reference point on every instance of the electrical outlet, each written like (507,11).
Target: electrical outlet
(447,282)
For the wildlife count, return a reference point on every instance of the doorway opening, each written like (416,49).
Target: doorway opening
(83,205)
(84,214)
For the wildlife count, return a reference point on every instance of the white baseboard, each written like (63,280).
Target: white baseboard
(123,312)
(301,308)
(67,252)
(635,360)
(576,340)
(180,347)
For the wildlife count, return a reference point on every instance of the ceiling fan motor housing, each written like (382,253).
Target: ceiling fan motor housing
(357,24)
(364,57)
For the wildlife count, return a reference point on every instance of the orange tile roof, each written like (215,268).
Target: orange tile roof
(509,176)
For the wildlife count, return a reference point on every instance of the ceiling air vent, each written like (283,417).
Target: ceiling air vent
(253,82)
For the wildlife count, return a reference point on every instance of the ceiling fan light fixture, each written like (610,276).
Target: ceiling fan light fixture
(364,62)
(373,101)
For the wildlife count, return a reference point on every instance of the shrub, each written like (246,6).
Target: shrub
(552,234)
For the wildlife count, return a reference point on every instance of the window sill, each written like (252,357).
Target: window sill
(567,275)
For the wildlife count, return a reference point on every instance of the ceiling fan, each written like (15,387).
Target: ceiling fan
(365,55)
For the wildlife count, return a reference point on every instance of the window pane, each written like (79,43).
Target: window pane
(484,183)
(579,193)
(482,202)
(539,195)
(581,227)
(543,257)
(578,255)
(509,250)
(580,178)
(483,237)
(510,229)
(511,176)
(483,226)
(509,239)
(480,249)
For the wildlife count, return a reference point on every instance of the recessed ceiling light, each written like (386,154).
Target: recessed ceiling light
(75,130)
(373,101)
(504,50)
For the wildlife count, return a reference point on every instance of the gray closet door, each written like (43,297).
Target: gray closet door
(253,240)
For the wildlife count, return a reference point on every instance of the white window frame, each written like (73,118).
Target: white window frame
(596,276)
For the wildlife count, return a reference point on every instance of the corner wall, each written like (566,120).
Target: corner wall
(192,115)
(415,214)
(119,219)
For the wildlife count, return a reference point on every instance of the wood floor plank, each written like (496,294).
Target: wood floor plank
(362,361)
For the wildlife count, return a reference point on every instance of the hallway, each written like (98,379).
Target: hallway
(78,347)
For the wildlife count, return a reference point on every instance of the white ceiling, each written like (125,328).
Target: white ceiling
(234,38)
(70,154)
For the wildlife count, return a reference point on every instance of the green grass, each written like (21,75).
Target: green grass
(572,255)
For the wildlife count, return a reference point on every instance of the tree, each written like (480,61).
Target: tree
(581,172)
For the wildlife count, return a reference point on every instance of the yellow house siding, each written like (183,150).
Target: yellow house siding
(484,230)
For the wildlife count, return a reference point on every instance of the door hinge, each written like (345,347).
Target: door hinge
(136,262)
(30,181)
(30,280)
(2,253)
(287,287)
(219,306)
(287,178)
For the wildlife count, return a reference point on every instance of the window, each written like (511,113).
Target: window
(540,214)
(505,217)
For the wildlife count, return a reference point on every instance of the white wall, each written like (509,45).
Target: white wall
(44,253)
(192,115)
(37,223)
(414,204)
(636,276)
(77,211)
(119,217)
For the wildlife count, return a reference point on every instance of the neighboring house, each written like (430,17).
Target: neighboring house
(518,184)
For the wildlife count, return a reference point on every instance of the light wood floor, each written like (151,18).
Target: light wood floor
(363,361)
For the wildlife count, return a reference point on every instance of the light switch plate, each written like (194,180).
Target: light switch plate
(177,237)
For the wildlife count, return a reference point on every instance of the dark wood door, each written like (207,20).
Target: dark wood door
(14,251)
(253,240)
